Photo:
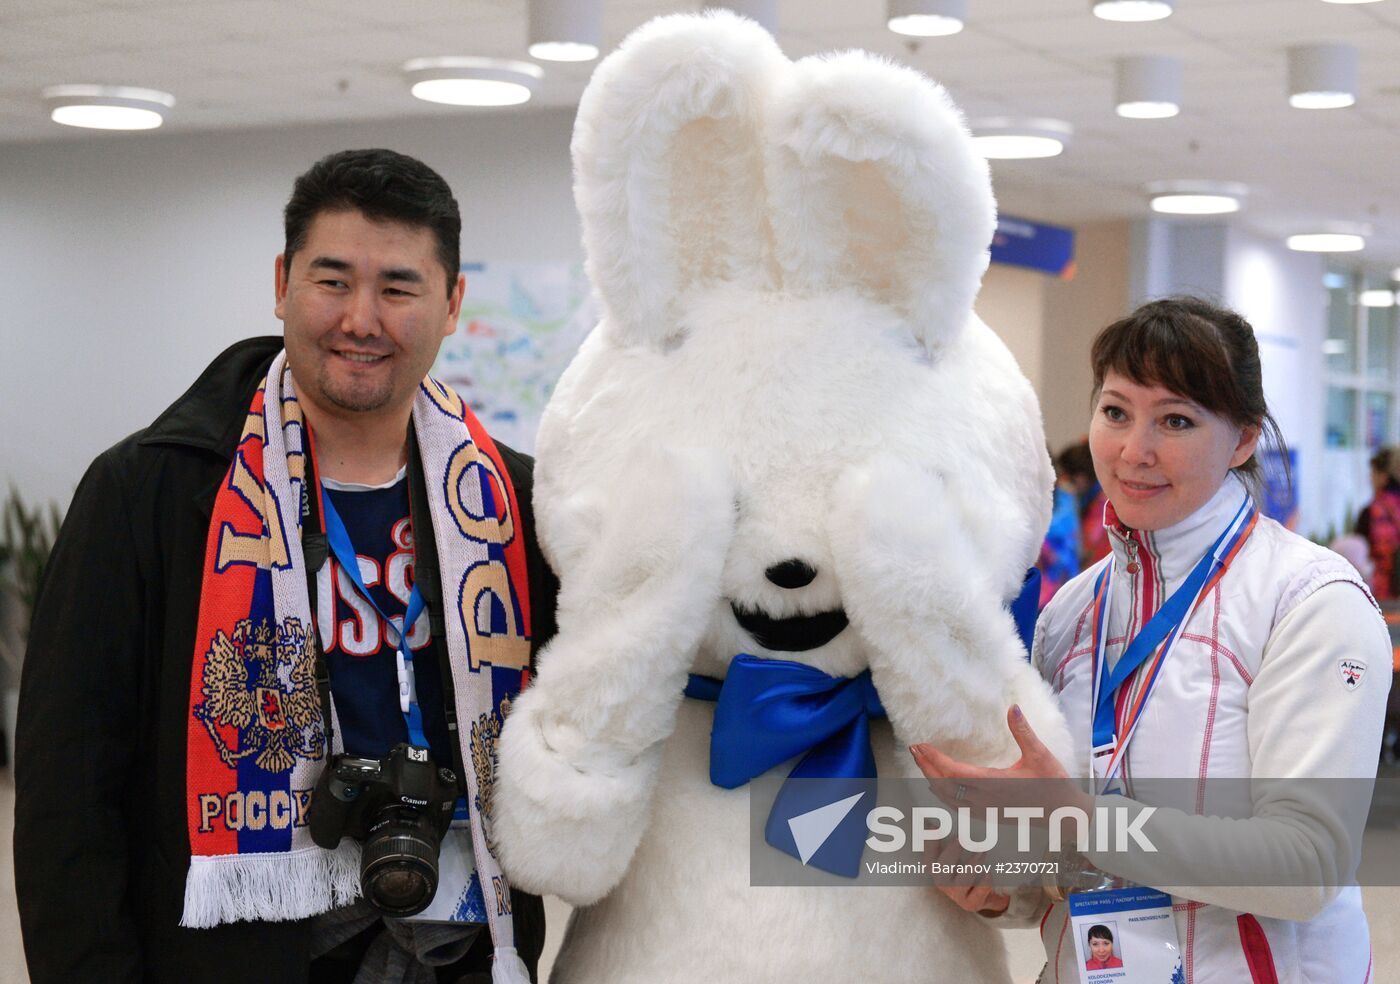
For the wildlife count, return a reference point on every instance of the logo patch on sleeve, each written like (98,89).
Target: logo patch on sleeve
(1352,671)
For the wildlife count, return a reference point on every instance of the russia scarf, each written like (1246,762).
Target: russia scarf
(256,741)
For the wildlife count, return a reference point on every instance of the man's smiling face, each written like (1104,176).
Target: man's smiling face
(364,307)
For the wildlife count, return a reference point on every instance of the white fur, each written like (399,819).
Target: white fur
(794,320)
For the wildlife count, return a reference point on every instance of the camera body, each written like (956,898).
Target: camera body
(398,807)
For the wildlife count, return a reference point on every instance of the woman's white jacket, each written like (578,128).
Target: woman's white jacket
(1281,673)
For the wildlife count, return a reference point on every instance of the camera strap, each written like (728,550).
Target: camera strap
(339,539)
(428,577)
(315,550)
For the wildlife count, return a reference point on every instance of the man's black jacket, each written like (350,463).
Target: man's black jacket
(101,843)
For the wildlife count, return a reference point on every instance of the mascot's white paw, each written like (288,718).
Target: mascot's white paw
(561,829)
(897,540)
(641,566)
(649,544)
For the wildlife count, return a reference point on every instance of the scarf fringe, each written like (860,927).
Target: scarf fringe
(270,887)
(508,968)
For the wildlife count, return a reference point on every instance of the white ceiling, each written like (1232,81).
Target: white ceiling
(251,63)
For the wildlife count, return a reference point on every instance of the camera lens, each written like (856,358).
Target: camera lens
(398,865)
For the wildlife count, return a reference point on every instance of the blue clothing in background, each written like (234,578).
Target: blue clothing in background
(1059,554)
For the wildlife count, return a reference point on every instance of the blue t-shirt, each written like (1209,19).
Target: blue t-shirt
(360,651)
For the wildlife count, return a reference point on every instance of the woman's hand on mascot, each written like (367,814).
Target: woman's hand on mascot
(1043,780)
(977,896)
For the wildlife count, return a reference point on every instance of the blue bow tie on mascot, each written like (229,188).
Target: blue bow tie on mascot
(771,710)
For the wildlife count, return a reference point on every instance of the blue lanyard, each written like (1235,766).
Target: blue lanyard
(349,561)
(1169,618)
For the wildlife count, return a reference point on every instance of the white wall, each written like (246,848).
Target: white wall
(1076,311)
(1281,294)
(128,262)
(1012,303)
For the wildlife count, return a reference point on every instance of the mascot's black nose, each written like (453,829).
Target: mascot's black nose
(791,574)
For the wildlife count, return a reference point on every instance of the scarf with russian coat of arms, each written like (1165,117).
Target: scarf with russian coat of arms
(256,739)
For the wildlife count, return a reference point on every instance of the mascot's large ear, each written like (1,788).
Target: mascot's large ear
(668,167)
(874,184)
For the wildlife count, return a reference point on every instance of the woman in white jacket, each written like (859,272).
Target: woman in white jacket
(1278,670)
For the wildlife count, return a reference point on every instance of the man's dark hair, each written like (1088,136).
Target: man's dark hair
(384,186)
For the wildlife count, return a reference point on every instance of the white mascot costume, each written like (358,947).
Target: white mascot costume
(789,437)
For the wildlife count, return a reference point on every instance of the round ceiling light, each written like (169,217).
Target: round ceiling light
(462,81)
(1378,298)
(565,30)
(563,51)
(1132,10)
(1335,238)
(107,107)
(1322,76)
(1002,138)
(926,18)
(1196,197)
(1149,86)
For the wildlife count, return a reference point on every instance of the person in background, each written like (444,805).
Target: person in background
(1379,523)
(1059,554)
(1077,464)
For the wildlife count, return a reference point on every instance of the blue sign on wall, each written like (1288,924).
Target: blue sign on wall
(1280,494)
(1023,243)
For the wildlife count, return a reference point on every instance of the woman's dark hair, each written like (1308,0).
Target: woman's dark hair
(386,187)
(1381,461)
(1197,350)
(1100,933)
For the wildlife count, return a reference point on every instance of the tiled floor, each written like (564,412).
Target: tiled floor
(1382,907)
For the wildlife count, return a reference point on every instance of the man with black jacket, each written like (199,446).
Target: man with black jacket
(367,288)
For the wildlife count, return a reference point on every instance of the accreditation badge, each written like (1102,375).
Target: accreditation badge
(1125,936)
(458,898)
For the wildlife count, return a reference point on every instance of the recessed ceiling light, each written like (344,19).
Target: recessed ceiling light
(1002,138)
(107,107)
(1149,87)
(1377,298)
(1322,76)
(463,81)
(565,30)
(1132,10)
(926,18)
(563,51)
(1331,241)
(1196,197)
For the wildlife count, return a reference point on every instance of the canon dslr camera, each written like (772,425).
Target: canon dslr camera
(398,807)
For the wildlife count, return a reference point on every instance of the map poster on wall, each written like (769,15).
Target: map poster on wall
(520,325)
